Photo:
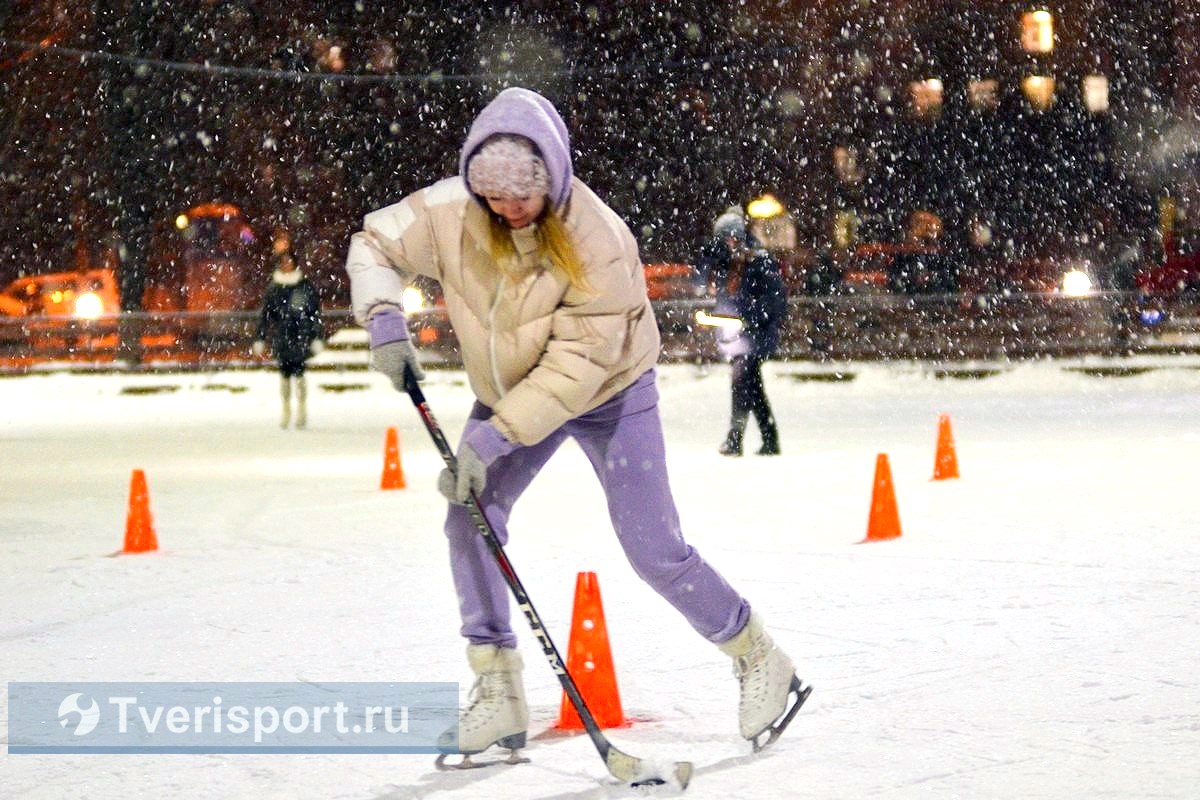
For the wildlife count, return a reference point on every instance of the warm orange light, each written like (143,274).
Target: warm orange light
(926,96)
(1039,90)
(1037,31)
(716,321)
(1095,93)
(413,299)
(845,229)
(89,305)
(764,207)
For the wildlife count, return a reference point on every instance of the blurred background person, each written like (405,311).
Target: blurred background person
(748,284)
(921,265)
(290,320)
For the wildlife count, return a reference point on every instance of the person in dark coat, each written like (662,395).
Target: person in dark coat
(748,284)
(290,320)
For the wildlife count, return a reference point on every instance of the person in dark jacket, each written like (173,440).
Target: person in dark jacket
(748,284)
(291,320)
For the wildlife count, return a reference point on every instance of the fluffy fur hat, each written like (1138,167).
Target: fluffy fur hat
(729,224)
(507,165)
(521,111)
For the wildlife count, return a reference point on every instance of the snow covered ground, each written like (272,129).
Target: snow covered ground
(1032,634)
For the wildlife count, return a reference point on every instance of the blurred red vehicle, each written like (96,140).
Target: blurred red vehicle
(1179,271)
(671,281)
(62,311)
(86,294)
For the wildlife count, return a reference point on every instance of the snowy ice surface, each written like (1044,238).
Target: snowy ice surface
(1033,633)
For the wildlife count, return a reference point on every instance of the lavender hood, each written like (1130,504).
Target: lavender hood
(528,114)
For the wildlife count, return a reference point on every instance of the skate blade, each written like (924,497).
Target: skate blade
(766,737)
(514,757)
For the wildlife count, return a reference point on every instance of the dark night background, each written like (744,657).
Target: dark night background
(310,114)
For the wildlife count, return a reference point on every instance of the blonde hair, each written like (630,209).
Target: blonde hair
(554,242)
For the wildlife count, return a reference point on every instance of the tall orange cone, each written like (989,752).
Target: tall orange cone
(139,525)
(393,473)
(945,462)
(589,660)
(884,522)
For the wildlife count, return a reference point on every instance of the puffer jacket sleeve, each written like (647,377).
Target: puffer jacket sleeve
(395,242)
(597,333)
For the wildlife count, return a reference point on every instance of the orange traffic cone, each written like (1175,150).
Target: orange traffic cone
(589,660)
(945,463)
(393,473)
(139,525)
(884,522)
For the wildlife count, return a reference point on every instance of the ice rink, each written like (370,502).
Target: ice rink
(1033,633)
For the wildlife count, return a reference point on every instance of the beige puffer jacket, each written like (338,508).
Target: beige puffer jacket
(536,350)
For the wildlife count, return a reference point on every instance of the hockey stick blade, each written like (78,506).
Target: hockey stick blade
(640,772)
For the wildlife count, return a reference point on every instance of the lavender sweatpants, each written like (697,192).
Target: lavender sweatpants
(623,440)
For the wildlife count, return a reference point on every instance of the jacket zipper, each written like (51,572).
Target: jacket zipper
(501,390)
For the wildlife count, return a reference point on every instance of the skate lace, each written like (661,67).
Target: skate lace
(751,678)
(482,699)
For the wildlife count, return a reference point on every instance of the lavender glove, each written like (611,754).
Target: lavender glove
(391,350)
(481,446)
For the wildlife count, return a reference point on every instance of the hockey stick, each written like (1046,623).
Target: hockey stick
(620,765)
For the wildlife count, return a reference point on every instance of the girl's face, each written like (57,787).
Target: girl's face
(518,212)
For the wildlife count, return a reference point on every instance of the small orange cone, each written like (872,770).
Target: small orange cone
(139,525)
(589,660)
(884,522)
(393,473)
(945,463)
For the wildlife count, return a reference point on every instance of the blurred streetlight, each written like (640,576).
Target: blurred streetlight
(1039,90)
(927,97)
(1037,31)
(771,224)
(1095,93)
(1076,283)
(764,207)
